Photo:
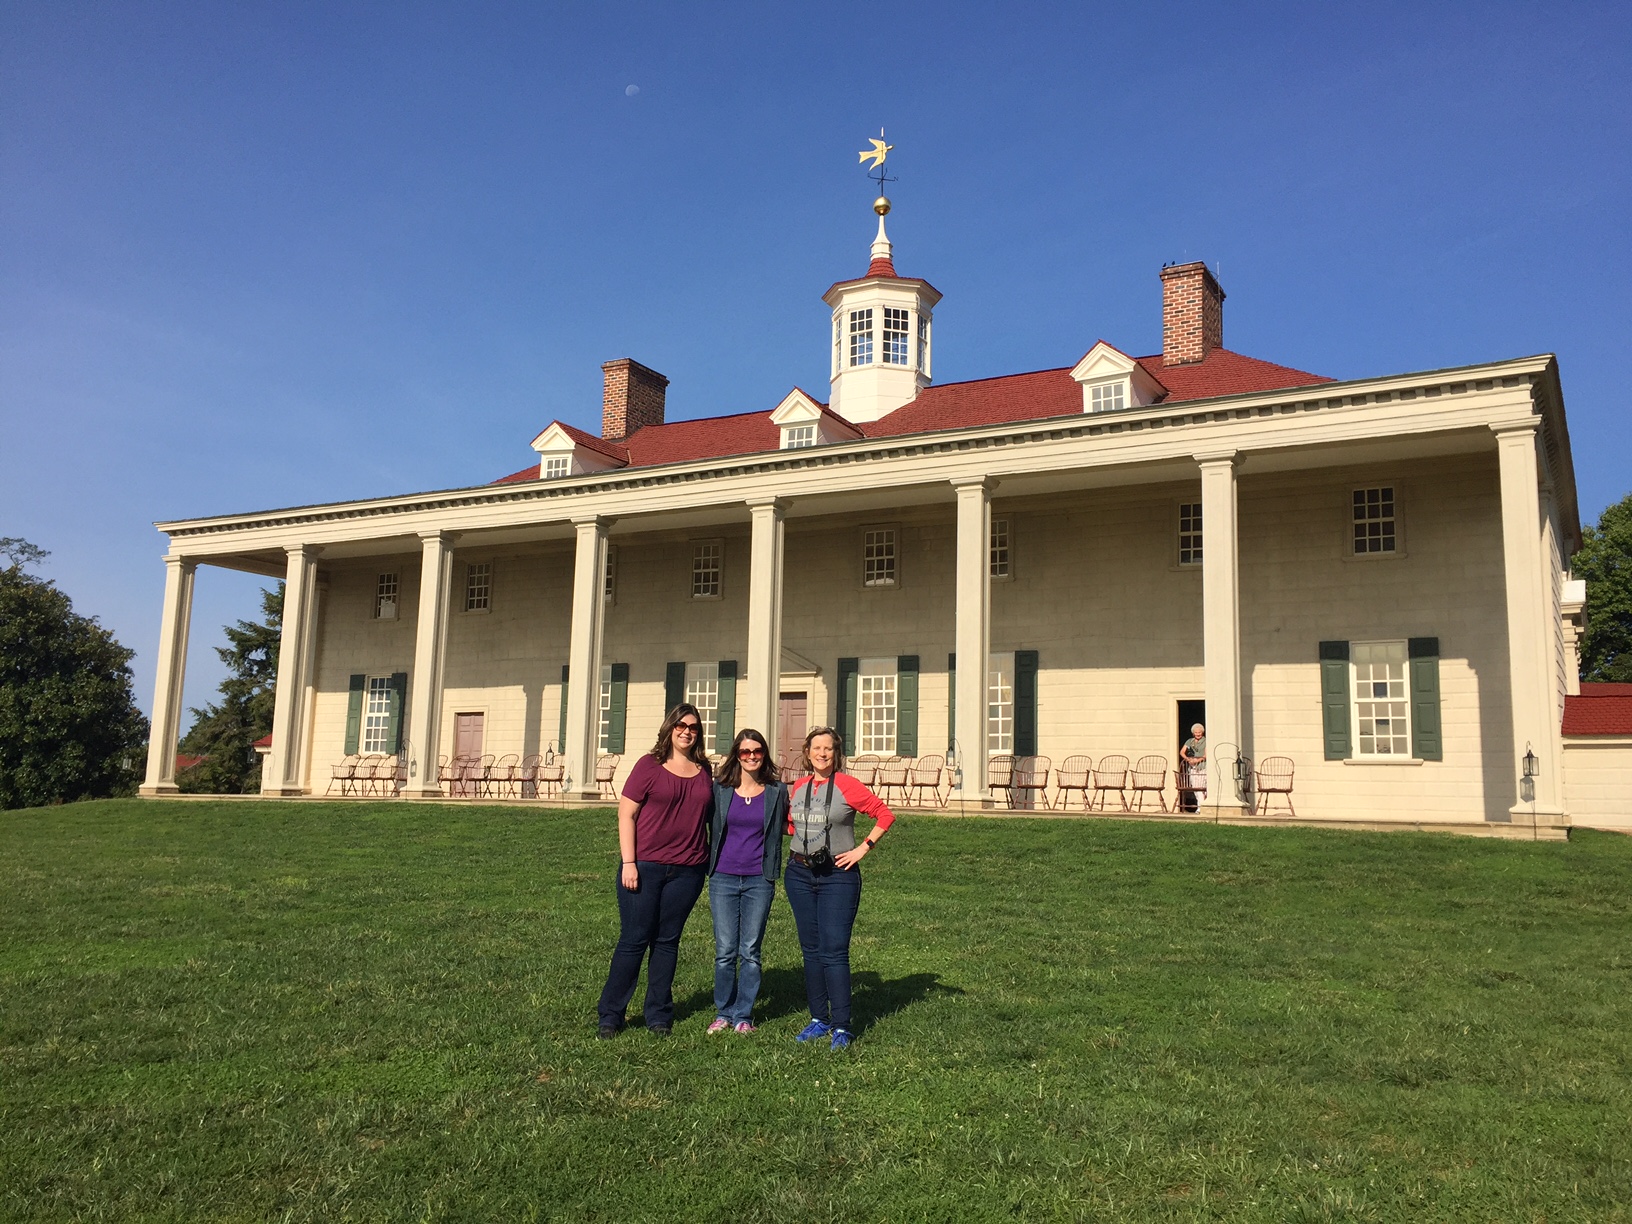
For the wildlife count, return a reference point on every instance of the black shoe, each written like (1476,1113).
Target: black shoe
(609,1031)
(660,1030)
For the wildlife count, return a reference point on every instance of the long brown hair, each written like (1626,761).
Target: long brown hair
(838,748)
(665,736)
(730,772)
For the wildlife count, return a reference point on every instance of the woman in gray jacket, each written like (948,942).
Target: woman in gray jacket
(745,858)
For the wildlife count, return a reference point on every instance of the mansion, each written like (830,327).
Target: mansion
(1367,577)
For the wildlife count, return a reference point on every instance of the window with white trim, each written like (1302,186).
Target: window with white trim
(703,691)
(895,336)
(606,704)
(1374,521)
(923,342)
(1108,397)
(478,586)
(707,562)
(1000,702)
(610,588)
(838,342)
(861,337)
(878,557)
(385,597)
(875,706)
(1189,533)
(377,714)
(556,466)
(795,437)
(1382,706)
(1000,548)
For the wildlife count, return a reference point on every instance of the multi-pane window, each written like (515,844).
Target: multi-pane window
(479,586)
(707,560)
(798,436)
(377,714)
(838,342)
(703,691)
(1374,521)
(1381,706)
(385,597)
(556,466)
(875,702)
(609,588)
(878,557)
(606,704)
(1190,533)
(1000,548)
(1108,397)
(895,336)
(923,342)
(1000,703)
(861,337)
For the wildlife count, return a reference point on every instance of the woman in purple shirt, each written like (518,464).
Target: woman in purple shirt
(745,859)
(663,834)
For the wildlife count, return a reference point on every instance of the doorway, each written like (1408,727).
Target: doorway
(792,721)
(1190,713)
(467,753)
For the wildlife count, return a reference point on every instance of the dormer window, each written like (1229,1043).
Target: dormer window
(1108,397)
(923,343)
(556,466)
(861,337)
(1111,381)
(895,336)
(797,436)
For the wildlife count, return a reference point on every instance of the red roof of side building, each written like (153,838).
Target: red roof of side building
(1601,709)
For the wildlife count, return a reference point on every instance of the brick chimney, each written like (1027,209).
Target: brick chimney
(1192,313)
(632,399)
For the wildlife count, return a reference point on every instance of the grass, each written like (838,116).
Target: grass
(257,1011)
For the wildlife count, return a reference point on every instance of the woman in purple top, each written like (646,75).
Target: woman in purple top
(663,834)
(745,860)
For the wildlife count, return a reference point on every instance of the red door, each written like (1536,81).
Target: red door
(791,723)
(467,752)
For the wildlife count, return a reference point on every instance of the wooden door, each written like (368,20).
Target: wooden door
(467,743)
(791,724)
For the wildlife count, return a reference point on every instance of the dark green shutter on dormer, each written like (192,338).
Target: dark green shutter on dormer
(561,732)
(847,684)
(674,686)
(725,709)
(617,712)
(1427,742)
(1334,698)
(906,706)
(354,713)
(393,725)
(1025,703)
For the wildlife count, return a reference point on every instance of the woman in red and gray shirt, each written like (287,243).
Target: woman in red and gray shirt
(823,879)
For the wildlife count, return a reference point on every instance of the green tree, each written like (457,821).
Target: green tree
(69,726)
(1605,561)
(224,734)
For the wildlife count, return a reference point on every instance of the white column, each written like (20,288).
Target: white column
(1221,627)
(584,655)
(281,772)
(430,649)
(166,726)
(764,619)
(973,632)
(1529,633)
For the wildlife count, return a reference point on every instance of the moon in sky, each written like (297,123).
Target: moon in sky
(631,91)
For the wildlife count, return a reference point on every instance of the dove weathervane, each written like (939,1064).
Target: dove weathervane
(878,153)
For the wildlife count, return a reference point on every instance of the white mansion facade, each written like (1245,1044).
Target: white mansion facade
(1368,577)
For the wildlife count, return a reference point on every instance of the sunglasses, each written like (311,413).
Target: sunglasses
(690,728)
(750,753)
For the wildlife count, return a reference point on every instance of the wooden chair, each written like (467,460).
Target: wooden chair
(444,774)
(1000,776)
(505,776)
(1074,774)
(1150,777)
(484,776)
(467,776)
(552,772)
(927,773)
(1274,777)
(605,767)
(399,778)
(1029,781)
(527,775)
(892,776)
(790,761)
(863,769)
(345,774)
(1111,775)
(363,776)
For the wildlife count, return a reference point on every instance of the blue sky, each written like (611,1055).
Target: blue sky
(260,255)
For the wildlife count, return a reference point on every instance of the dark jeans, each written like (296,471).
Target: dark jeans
(824,909)
(741,906)
(651,918)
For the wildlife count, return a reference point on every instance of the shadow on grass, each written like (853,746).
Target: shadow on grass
(873,998)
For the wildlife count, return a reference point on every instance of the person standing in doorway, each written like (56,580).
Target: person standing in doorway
(1193,769)
(663,835)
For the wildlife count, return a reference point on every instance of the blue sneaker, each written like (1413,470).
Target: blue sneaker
(842,1039)
(814,1031)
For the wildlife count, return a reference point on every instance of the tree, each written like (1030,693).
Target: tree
(224,734)
(1605,561)
(69,726)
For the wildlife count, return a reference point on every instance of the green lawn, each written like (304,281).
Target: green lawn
(346,1012)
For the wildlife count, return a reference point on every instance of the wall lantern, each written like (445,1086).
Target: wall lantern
(1243,769)
(1530,769)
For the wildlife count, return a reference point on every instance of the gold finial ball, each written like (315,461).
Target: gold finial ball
(881,205)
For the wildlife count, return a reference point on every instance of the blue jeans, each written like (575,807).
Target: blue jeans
(651,919)
(741,906)
(824,909)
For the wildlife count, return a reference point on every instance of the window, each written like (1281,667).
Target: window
(1381,705)
(1108,397)
(707,557)
(606,705)
(1374,521)
(479,586)
(796,437)
(703,691)
(875,699)
(923,343)
(556,466)
(610,588)
(1000,703)
(385,597)
(1189,533)
(838,343)
(878,557)
(1000,548)
(377,715)
(895,336)
(861,337)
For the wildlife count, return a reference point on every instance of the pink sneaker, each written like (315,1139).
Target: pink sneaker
(719,1026)
(744,1026)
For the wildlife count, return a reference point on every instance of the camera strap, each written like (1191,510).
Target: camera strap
(827,811)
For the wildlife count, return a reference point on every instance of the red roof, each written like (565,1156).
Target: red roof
(264,742)
(1601,709)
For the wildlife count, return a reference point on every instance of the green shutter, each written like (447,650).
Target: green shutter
(1025,703)
(725,711)
(561,730)
(1334,698)
(674,686)
(1427,744)
(617,715)
(393,725)
(354,713)
(848,668)
(906,706)
(952,705)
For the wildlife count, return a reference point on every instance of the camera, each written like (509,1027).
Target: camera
(821,860)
